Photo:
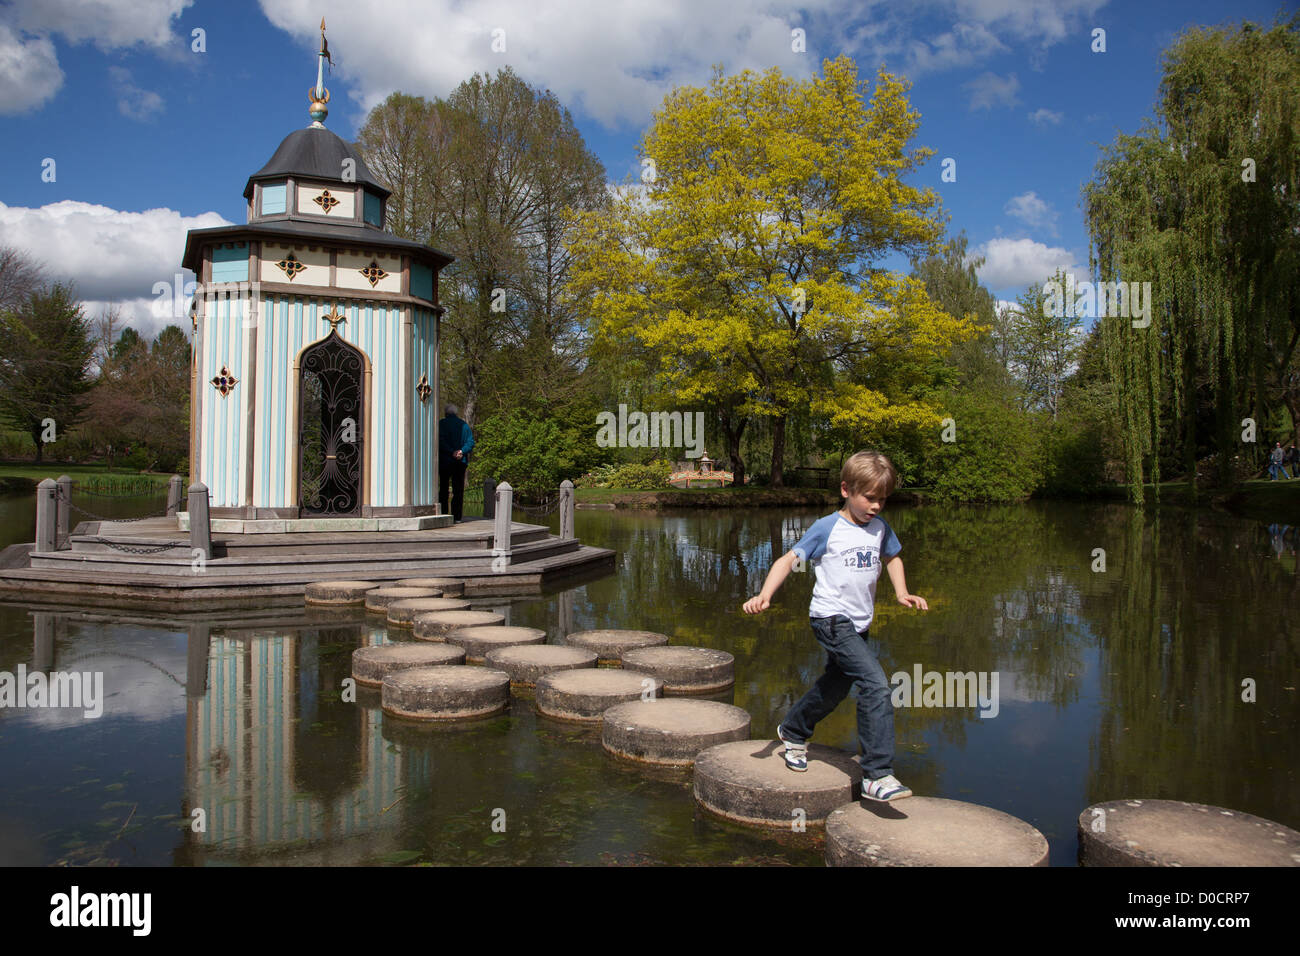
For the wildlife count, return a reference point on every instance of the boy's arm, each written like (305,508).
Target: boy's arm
(775,578)
(894,566)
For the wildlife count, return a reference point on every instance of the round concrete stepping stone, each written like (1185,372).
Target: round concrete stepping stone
(748,781)
(435,625)
(930,831)
(477,641)
(586,694)
(670,732)
(370,665)
(685,670)
(338,592)
(378,599)
(401,613)
(609,645)
(1175,833)
(452,692)
(528,664)
(450,587)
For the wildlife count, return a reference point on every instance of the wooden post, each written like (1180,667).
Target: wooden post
(46,517)
(64,512)
(489,498)
(501,532)
(566,510)
(174,495)
(200,529)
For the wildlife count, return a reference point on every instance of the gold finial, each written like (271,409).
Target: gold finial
(334,319)
(318,96)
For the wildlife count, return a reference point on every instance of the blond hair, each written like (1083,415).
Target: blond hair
(869,471)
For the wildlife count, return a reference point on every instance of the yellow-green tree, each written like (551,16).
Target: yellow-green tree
(749,265)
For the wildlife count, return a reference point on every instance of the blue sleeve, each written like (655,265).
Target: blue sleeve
(889,544)
(468,437)
(813,543)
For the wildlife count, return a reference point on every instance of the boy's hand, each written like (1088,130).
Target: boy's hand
(756,604)
(913,600)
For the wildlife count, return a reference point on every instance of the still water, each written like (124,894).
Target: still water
(224,739)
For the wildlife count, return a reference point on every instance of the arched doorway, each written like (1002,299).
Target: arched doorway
(330,389)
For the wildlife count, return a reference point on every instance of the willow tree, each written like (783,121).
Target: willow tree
(752,264)
(1202,203)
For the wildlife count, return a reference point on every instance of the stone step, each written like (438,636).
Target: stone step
(313,566)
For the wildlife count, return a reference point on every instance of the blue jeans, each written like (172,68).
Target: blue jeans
(851,661)
(1274,469)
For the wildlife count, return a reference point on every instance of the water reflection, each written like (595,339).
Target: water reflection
(1120,677)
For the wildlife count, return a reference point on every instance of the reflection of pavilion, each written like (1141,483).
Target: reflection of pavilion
(275,762)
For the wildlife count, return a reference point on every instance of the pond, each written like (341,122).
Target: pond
(1165,667)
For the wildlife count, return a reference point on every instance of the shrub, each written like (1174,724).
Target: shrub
(650,477)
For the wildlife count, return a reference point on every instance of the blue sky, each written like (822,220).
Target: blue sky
(150,137)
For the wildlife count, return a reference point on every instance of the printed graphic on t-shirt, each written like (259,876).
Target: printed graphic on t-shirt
(860,559)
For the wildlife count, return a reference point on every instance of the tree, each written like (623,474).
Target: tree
(20,278)
(45,358)
(1205,205)
(491,175)
(750,267)
(951,280)
(1044,345)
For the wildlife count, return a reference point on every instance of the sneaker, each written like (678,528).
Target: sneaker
(885,789)
(796,755)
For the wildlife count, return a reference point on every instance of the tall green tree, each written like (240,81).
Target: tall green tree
(1204,203)
(752,268)
(45,357)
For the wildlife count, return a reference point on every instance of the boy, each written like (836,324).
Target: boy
(847,549)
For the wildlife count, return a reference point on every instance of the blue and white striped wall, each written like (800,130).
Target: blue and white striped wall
(286,325)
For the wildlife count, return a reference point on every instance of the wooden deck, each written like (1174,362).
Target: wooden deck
(140,563)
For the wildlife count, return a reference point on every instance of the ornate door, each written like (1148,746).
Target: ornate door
(330,389)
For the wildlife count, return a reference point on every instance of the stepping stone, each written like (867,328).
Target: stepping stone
(528,664)
(450,587)
(930,831)
(685,670)
(401,613)
(1175,833)
(670,732)
(452,692)
(585,694)
(435,625)
(378,599)
(748,781)
(609,645)
(477,641)
(370,665)
(338,592)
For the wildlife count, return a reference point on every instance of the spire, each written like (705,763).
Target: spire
(318,95)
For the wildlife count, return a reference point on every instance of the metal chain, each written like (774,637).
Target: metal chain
(549,506)
(58,494)
(129,549)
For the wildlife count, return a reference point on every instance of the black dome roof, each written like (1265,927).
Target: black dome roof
(317,153)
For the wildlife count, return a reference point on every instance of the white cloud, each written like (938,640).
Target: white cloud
(111,255)
(1016,263)
(964,45)
(1043,21)
(988,90)
(109,24)
(1032,211)
(29,72)
(133,102)
(1046,117)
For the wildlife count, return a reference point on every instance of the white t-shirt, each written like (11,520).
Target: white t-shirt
(847,559)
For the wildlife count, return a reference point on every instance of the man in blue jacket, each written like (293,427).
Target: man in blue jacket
(455,441)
